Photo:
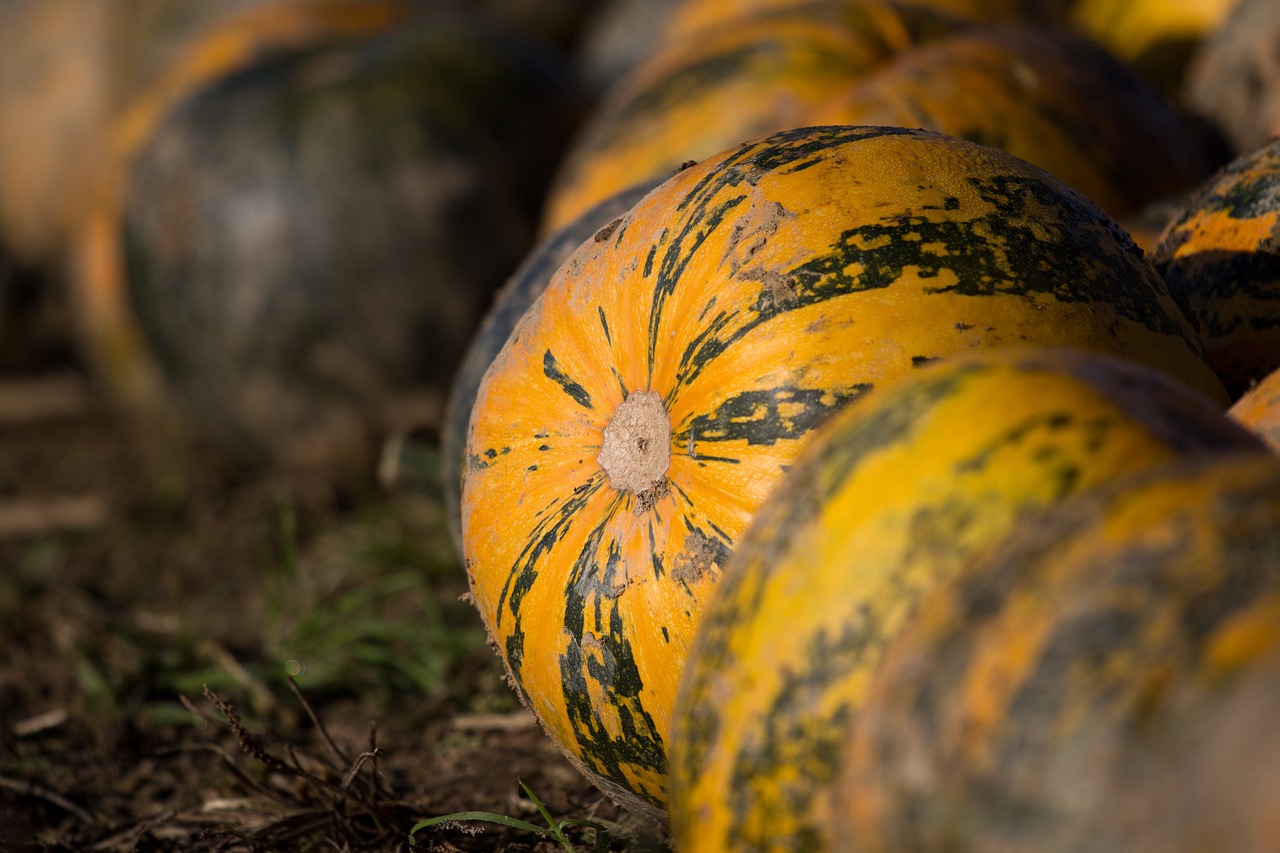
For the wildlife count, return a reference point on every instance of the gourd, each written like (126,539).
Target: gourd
(646,404)
(298,247)
(1156,37)
(1220,257)
(886,502)
(1045,95)
(700,95)
(1000,718)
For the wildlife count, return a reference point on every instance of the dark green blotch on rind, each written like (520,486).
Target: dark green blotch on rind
(553,372)
(793,736)
(555,523)
(703,210)
(614,670)
(604,324)
(1241,199)
(995,254)
(1084,261)
(676,258)
(756,417)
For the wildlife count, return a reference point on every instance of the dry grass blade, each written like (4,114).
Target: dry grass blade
(27,789)
(334,803)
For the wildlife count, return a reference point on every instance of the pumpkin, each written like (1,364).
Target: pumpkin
(1156,37)
(1234,76)
(1258,409)
(1047,96)
(109,331)
(1221,260)
(301,247)
(997,717)
(646,404)
(884,504)
(698,96)
(519,292)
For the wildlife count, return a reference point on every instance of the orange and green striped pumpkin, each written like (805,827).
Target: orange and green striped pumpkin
(885,503)
(701,95)
(647,403)
(999,718)
(1045,95)
(1221,260)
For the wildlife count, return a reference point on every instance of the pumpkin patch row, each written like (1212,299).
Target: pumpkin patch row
(664,382)
(635,470)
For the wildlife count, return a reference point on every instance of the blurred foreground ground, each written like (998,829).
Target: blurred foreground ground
(129,586)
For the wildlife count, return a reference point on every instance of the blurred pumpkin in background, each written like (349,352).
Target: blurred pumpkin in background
(1233,79)
(1045,95)
(699,95)
(1156,37)
(305,220)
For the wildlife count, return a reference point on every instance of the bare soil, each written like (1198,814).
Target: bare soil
(188,663)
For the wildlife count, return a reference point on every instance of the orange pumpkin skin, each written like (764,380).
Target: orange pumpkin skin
(699,96)
(1000,718)
(1047,96)
(738,305)
(1221,260)
(1258,409)
(53,106)
(520,291)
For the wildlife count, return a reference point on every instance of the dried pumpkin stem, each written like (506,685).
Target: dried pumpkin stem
(636,450)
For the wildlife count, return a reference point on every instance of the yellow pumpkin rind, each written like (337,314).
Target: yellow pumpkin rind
(887,501)
(1054,651)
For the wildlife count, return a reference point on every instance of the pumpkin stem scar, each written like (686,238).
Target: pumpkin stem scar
(636,450)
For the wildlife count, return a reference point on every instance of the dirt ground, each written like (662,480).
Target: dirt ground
(190,664)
